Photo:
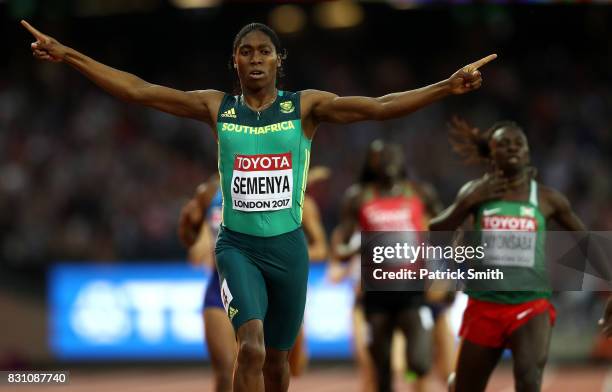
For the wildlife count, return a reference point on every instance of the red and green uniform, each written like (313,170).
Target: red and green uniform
(514,233)
(404,212)
(262,256)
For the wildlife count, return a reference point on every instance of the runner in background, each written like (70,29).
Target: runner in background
(386,201)
(520,320)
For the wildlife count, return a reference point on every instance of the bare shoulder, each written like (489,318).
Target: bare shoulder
(310,98)
(553,197)
(211,98)
(208,99)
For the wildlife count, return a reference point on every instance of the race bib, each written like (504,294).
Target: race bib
(262,182)
(509,240)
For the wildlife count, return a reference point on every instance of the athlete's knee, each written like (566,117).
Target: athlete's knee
(528,374)
(251,349)
(529,381)
(251,353)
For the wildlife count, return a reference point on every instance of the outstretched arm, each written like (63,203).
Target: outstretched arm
(320,106)
(200,105)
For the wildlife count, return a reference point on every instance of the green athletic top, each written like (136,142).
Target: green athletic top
(515,234)
(263,162)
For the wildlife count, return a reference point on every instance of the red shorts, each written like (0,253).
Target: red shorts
(490,324)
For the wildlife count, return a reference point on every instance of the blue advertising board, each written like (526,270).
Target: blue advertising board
(154,311)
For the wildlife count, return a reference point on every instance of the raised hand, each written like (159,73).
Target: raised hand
(45,47)
(489,187)
(469,78)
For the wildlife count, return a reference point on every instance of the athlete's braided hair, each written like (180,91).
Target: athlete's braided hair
(281,52)
(472,144)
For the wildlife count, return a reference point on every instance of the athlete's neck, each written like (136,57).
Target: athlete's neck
(260,99)
(517,179)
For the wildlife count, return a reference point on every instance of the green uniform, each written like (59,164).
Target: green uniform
(515,234)
(262,256)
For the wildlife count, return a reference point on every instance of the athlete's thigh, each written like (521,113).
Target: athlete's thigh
(474,366)
(286,274)
(530,342)
(243,288)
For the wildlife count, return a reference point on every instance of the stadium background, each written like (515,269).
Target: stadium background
(91,181)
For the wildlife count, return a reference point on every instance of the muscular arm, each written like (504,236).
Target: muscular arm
(329,107)
(128,87)
(311,220)
(200,105)
(320,106)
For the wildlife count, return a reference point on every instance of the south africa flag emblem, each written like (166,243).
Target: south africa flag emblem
(287,107)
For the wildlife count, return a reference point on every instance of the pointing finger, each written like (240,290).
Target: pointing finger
(37,34)
(477,64)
